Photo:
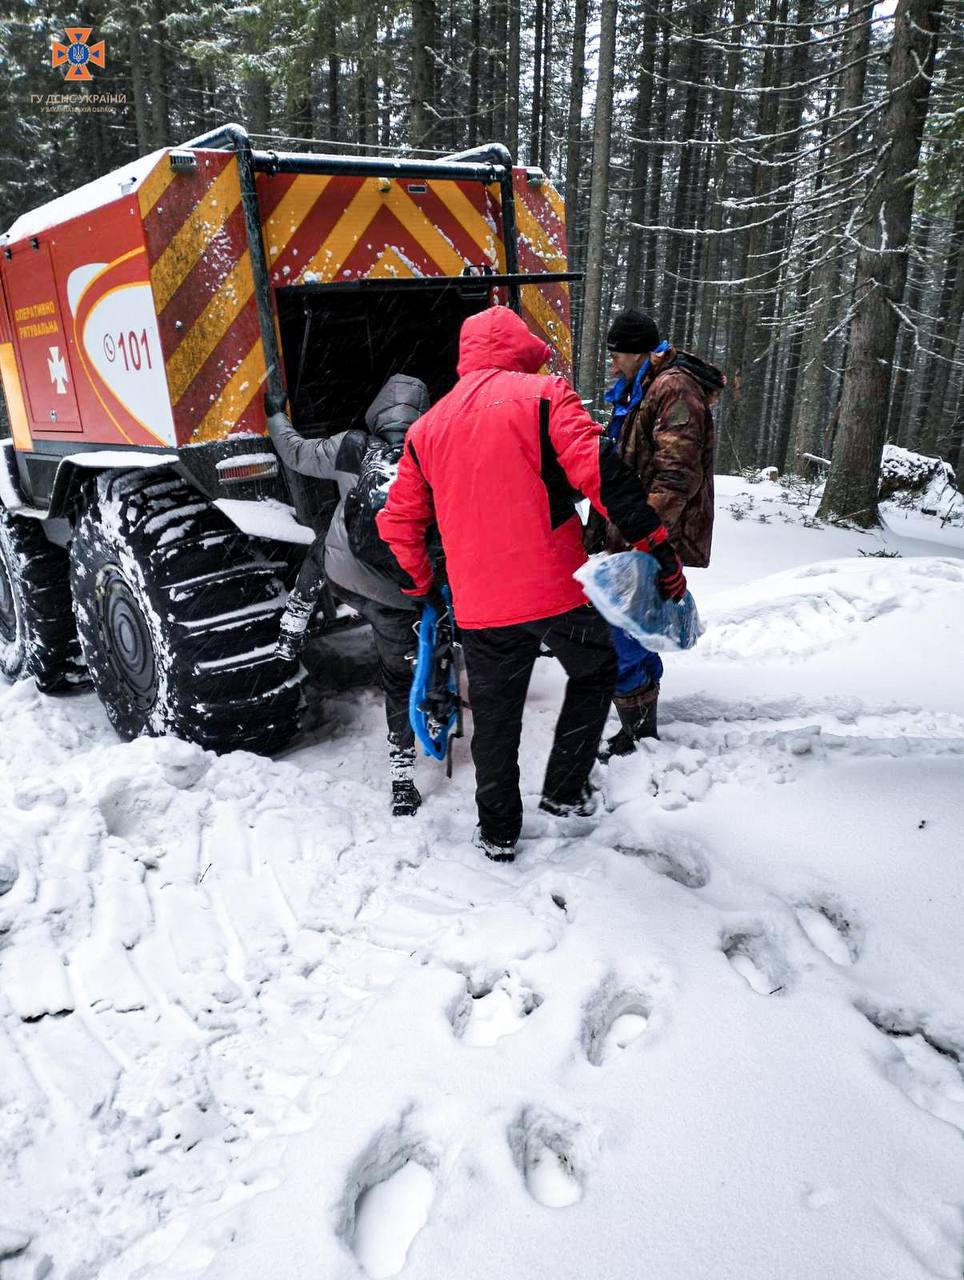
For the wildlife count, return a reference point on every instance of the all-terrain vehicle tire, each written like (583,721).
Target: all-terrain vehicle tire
(178,614)
(37,633)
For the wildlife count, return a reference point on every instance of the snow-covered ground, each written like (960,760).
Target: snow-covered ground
(252,1027)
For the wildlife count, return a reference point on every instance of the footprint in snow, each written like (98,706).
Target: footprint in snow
(677,857)
(558,901)
(491,1010)
(756,958)
(832,929)
(614,1017)
(387,1201)
(553,1156)
(927,1067)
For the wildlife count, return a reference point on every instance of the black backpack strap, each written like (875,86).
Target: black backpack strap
(351,452)
(560,492)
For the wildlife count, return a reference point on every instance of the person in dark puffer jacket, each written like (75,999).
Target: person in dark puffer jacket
(373,594)
(662,424)
(494,464)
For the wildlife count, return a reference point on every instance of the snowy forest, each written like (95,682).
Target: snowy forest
(779,182)
(271,1003)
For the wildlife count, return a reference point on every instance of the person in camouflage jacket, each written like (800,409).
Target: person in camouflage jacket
(662,423)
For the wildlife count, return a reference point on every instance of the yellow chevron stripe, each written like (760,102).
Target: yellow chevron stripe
(194,235)
(19,426)
(390,267)
(355,220)
(549,320)
(297,203)
(495,195)
(155,184)
(556,202)
(465,212)
(347,231)
(417,224)
(240,390)
(539,239)
(209,328)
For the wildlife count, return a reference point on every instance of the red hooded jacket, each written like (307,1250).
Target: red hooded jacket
(496,474)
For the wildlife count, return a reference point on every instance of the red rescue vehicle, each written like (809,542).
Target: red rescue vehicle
(148,530)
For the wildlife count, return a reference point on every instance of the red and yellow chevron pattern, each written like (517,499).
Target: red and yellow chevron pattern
(541,226)
(200,269)
(325,229)
(317,229)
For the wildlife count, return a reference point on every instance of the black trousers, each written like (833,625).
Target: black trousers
(393,631)
(499,662)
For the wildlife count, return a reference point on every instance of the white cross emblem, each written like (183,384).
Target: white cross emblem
(58,370)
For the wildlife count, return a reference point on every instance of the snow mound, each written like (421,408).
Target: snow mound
(916,480)
(250,1025)
(794,614)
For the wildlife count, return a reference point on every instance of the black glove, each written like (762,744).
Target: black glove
(433,597)
(274,402)
(670,581)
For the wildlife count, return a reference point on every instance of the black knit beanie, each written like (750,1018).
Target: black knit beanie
(632,332)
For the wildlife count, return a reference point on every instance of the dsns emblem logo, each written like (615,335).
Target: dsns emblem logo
(77,56)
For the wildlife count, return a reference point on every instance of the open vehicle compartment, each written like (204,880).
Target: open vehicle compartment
(340,345)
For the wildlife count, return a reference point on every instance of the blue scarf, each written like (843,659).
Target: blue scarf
(622,404)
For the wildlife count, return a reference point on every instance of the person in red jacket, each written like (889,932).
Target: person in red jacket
(494,464)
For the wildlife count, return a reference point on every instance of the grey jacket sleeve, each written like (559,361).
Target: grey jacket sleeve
(309,457)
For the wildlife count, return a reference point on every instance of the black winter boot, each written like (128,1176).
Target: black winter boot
(637,715)
(405,794)
(494,850)
(583,807)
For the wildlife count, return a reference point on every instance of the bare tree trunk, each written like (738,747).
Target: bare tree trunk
(422,103)
(328,38)
(641,152)
(933,437)
(512,78)
(956,450)
(536,116)
(545,131)
(680,248)
(851,490)
(158,77)
(598,200)
(500,45)
(899,429)
(488,28)
(654,182)
(386,77)
(366,75)
(577,86)
(475,55)
(138,86)
(299,87)
(734,67)
(813,403)
(738,439)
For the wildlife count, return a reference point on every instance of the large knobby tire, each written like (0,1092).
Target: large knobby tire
(37,633)
(178,616)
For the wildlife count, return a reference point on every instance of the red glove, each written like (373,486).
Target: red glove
(670,580)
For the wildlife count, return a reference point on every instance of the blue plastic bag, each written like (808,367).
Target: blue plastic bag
(623,589)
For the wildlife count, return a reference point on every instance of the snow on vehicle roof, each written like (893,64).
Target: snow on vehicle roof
(91,196)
